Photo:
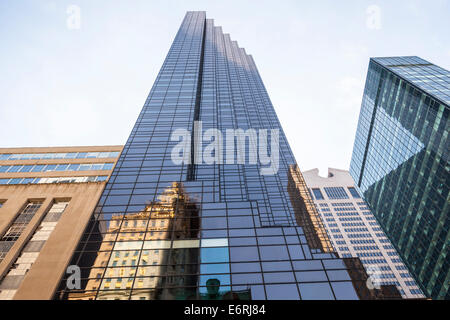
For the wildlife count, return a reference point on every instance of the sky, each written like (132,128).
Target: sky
(77,73)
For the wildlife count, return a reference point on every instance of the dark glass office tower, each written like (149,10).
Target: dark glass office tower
(401,163)
(231,229)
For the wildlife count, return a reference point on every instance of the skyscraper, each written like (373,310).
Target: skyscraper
(179,221)
(355,232)
(400,162)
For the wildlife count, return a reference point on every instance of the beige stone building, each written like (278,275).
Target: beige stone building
(47,196)
(354,231)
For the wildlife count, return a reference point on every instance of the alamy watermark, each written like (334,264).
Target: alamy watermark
(373,20)
(74,280)
(374,280)
(234,150)
(73,21)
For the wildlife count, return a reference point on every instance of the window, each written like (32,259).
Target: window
(354,193)
(317,194)
(14,168)
(2,202)
(18,226)
(62,167)
(26,168)
(54,180)
(336,193)
(38,168)
(30,251)
(71,155)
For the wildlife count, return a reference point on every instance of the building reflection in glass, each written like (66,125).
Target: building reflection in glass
(150,254)
(156,254)
(306,213)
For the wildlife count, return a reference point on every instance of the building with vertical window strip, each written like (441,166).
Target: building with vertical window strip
(47,196)
(191,230)
(355,232)
(400,162)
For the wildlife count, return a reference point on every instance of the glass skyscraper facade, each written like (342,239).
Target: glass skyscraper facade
(163,230)
(400,162)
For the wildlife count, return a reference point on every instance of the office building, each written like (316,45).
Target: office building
(355,232)
(47,196)
(400,163)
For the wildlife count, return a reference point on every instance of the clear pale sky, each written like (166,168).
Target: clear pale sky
(66,84)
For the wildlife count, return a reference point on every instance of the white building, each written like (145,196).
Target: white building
(355,232)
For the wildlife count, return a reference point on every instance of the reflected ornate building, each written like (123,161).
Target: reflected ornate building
(139,259)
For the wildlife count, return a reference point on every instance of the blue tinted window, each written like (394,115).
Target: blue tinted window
(246,267)
(26,168)
(354,193)
(214,268)
(108,166)
(344,291)
(244,254)
(317,194)
(73,167)
(336,275)
(336,193)
(62,167)
(38,168)
(311,276)
(273,253)
(316,291)
(246,278)
(274,277)
(277,266)
(14,168)
(282,292)
(214,255)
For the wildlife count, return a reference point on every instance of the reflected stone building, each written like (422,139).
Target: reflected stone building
(400,163)
(195,230)
(143,240)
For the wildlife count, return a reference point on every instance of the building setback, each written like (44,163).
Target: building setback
(355,232)
(400,163)
(47,196)
(164,229)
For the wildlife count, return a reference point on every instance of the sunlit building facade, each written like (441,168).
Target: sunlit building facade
(47,196)
(193,230)
(355,232)
(400,163)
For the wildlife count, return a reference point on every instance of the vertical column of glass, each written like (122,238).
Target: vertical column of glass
(128,249)
(273,185)
(365,118)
